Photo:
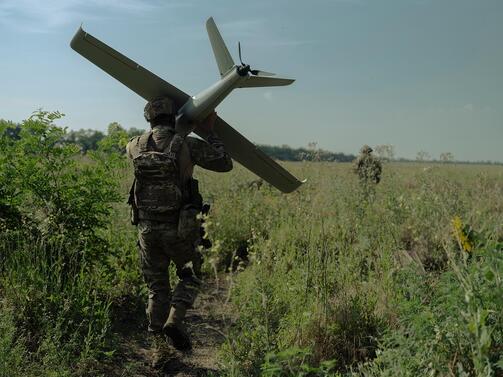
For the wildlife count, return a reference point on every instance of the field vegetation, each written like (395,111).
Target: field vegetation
(336,279)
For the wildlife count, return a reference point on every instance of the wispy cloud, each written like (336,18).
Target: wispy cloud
(45,16)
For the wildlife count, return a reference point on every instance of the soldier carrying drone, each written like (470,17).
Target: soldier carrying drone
(164,197)
(165,203)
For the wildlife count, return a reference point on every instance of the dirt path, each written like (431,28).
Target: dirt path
(206,322)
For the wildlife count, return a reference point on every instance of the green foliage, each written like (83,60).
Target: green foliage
(324,265)
(66,199)
(55,258)
(286,153)
(293,362)
(88,140)
(60,316)
(12,351)
(324,281)
(9,129)
(116,140)
(453,325)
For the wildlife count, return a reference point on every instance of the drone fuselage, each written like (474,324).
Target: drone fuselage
(202,104)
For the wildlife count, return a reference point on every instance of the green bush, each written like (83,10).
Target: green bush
(452,325)
(55,256)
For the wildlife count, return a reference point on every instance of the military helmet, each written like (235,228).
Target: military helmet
(158,106)
(366,149)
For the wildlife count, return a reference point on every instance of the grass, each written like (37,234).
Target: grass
(333,279)
(326,262)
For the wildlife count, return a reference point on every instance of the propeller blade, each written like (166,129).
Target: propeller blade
(256,72)
(239,49)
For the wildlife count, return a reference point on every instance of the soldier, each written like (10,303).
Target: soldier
(367,167)
(165,202)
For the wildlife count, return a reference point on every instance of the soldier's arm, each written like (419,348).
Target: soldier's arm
(209,155)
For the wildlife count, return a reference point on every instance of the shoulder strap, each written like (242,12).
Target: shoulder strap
(143,142)
(173,149)
(174,146)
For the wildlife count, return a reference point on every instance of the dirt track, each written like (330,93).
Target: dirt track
(206,323)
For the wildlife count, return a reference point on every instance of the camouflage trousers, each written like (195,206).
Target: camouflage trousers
(159,245)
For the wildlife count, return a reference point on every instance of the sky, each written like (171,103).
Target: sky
(421,75)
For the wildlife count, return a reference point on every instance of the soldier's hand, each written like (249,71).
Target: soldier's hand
(209,122)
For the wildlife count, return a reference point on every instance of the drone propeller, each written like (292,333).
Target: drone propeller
(239,50)
(245,68)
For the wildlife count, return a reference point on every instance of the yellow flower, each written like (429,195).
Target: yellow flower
(460,234)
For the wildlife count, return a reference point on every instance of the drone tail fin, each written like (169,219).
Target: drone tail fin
(256,81)
(222,56)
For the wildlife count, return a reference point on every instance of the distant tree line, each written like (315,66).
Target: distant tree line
(90,140)
(311,153)
(117,136)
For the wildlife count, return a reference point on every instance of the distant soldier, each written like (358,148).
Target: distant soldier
(368,167)
(165,203)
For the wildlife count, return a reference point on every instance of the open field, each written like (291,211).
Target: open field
(405,278)
(338,273)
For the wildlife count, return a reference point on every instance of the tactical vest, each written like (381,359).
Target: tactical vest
(158,188)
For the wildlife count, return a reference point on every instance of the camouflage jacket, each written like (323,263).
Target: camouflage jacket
(193,152)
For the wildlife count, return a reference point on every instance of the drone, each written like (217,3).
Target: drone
(193,109)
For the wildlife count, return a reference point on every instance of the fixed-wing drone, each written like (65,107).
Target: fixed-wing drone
(196,108)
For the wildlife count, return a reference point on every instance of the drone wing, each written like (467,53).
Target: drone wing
(149,86)
(252,158)
(134,76)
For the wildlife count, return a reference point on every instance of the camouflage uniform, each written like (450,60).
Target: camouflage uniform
(159,239)
(367,167)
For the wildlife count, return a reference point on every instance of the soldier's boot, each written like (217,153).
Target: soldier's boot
(175,329)
(161,352)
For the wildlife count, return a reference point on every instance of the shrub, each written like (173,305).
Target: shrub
(54,254)
(452,325)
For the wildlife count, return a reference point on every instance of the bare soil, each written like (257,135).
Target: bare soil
(206,322)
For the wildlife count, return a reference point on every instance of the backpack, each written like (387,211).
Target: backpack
(158,186)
